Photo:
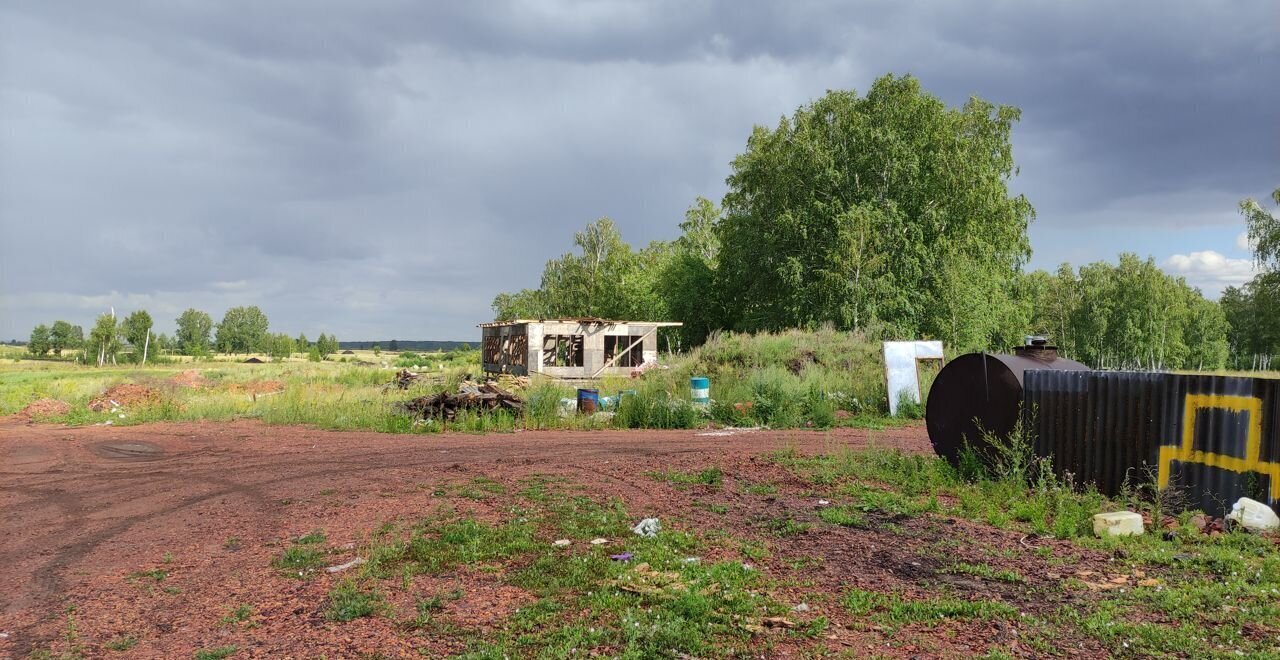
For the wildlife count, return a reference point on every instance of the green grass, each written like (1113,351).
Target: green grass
(1189,595)
(659,604)
(761,489)
(237,615)
(785,380)
(893,609)
(350,600)
(708,477)
(121,643)
(215,653)
(304,556)
(986,572)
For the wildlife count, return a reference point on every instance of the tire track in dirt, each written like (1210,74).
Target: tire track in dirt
(87,500)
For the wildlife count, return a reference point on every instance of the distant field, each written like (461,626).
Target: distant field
(789,380)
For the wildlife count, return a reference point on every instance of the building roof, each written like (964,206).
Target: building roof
(583,320)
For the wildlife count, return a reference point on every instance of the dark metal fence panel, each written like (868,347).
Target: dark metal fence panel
(1213,438)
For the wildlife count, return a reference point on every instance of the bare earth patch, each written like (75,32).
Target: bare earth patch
(191,378)
(124,395)
(42,408)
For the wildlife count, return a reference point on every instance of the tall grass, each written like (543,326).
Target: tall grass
(791,379)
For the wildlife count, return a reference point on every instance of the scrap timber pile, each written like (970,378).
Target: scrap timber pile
(470,396)
(403,379)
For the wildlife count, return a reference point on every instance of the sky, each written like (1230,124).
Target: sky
(381,169)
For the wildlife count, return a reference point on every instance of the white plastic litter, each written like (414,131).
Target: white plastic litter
(342,567)
(802,607)
(562,543)
(728,432)
(601,541)
(648,527)
(1254,515)
(1117,523)
(824,502)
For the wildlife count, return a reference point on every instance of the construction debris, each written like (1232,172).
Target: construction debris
(649,527)
(402,380)
(470,396)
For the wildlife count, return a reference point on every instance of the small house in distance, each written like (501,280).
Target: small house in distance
(569,348)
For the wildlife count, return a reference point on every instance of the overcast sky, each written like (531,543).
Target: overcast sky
(383,169)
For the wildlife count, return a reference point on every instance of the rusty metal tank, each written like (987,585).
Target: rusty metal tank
(981,393)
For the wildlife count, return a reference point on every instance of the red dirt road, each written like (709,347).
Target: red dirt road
(83,509)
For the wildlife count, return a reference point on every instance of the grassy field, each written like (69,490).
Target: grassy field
(886,550)
(1179,593)
(788,380)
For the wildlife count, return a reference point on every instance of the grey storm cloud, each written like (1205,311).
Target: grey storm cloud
(381,169)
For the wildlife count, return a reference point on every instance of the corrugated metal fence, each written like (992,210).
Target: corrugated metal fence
(1214,438)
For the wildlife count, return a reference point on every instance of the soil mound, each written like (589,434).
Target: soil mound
(190,378)
(125,395)
(256,387)
(254,360)
(44,408)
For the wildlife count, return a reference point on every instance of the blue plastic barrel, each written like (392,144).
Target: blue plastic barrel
(588,400)
(700,389)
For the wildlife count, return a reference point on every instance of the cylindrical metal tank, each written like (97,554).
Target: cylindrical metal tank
(981,393)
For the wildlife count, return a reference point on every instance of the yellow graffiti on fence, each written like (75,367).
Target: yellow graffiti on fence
(1186,453)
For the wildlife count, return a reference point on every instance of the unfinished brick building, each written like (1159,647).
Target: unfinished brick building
(569,348)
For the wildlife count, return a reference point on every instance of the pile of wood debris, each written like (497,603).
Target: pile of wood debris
(402,380)
(470,396)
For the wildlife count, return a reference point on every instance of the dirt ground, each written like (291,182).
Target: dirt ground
(84,510)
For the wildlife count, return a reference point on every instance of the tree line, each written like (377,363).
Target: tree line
(887,214)
(1253,310)
(242,330)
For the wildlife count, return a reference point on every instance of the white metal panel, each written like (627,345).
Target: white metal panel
(900,373)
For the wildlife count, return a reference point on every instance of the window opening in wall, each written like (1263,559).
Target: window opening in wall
(613,344)
(562,350)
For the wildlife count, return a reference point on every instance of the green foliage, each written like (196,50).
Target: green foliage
(121,643)
(303,557)
(325,346)
(606,279)
(791,378)
(708,477)
(242,330)
(1253,312)
(893,609)
(1264,231)
(656,410)
(237,615)
(216,653)
(280,346)
(104,341)
(1129,314)
(192,337)
(63,336)
(136,329)
(39,344)
(913,231)
(349,601)
(686,283)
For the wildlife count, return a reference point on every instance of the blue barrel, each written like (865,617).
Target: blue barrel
(588,400)
(700,388)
